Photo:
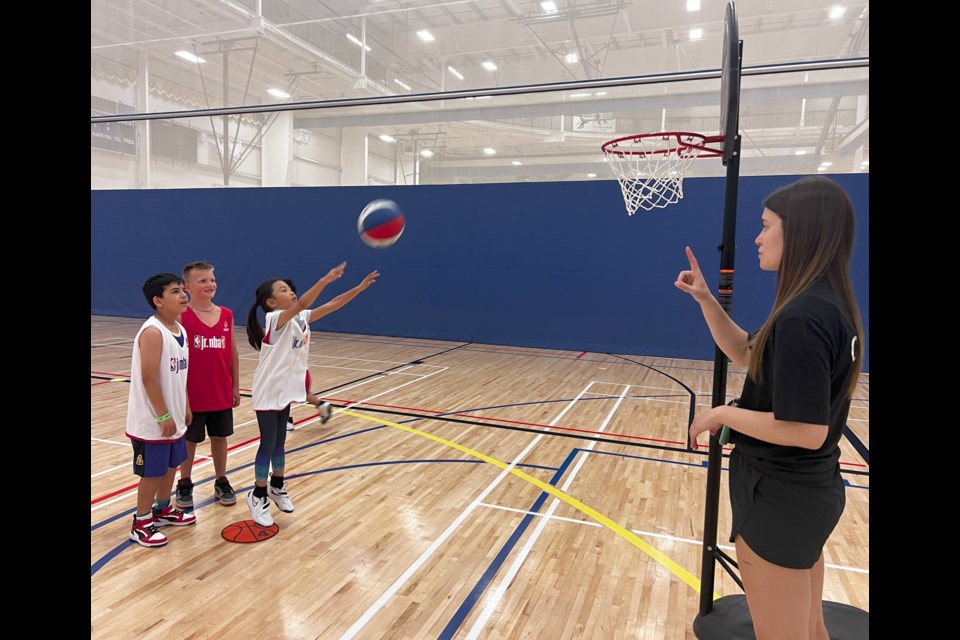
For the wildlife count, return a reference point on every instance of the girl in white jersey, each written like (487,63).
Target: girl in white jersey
(284,344)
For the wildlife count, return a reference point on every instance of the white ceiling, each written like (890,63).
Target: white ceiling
(301,46)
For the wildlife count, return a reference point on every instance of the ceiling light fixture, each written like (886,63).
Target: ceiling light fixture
(426,153)
(425,35)
(455,72)
(693,5)
(696,33)
(189,57)
(836,12)
(489,65)
(277,93)
(387,137)
(402,83)
(489,151)
(352,38)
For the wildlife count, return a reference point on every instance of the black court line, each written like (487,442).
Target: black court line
(386,371)
(857,443)
(693,396)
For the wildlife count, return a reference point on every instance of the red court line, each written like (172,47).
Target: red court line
(535,424)
(94,384)
(134,486)
(124,378)
(489,419)
(581,355)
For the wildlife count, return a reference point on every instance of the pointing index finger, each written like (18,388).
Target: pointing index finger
(694,265)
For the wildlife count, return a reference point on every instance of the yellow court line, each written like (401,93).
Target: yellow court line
(623,532)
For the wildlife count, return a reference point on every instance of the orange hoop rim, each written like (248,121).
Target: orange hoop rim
(700,144)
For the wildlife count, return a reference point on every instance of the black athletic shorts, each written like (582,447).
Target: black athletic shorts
(785,523)
(217,423)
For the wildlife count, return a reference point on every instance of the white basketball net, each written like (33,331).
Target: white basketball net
(654,178)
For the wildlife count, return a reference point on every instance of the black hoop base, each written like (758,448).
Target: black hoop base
(730,620)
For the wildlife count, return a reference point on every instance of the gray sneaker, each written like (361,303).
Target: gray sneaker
(223,492)
(325,411)
(184,494)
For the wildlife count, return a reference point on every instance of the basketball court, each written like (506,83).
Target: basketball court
(508,454)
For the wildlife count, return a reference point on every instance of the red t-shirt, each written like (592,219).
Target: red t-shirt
(210,378)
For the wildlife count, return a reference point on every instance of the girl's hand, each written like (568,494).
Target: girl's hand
(691,280)
(369,280)
(336,272)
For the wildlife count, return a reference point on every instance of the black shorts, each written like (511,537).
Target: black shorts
(784,522)
(219,424)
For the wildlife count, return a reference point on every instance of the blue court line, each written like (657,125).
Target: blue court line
(477,592)
(110,555)
(464,610)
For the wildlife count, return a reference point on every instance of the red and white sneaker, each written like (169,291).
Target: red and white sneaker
(145,533)
(171,515)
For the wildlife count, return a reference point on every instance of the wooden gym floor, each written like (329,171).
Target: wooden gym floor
(469,491)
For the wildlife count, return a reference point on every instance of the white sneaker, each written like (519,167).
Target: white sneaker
(290,425)
(281,498)
(260,510)
(325,410)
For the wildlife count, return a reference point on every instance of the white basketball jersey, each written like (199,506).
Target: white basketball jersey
(141,418)
(279,378)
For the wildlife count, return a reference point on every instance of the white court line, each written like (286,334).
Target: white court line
(209,461)
(126,444)
(521,558)
(321,356)
(350,405)
(429,551)
(649,534)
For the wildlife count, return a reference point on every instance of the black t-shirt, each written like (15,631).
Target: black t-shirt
(807,366)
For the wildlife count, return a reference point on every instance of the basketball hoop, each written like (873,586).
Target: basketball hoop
(650,166)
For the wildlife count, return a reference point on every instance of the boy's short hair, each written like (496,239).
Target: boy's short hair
(155,286)
(199,265)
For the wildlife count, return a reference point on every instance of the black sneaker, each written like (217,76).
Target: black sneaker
(223,492)
(184,494)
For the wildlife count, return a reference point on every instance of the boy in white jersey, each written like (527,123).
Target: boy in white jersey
(158,410)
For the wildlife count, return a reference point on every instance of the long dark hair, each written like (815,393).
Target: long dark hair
(818,224)
(254,329)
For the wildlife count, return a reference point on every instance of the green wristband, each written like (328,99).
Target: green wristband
(163,418)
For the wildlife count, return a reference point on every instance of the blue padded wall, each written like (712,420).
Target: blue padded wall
(556,264)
